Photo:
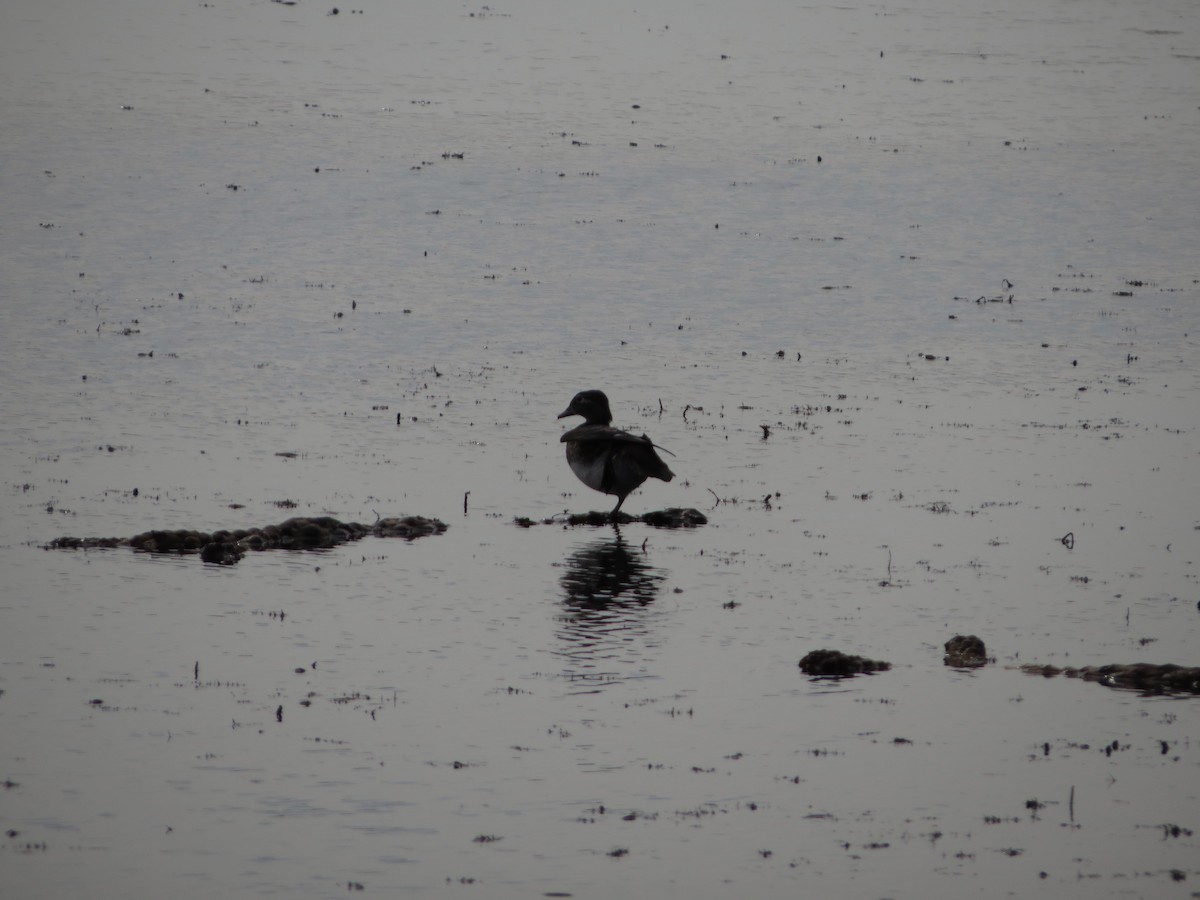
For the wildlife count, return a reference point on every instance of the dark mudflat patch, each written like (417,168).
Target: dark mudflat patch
(836,664)
(227,547)
(1146,677)
(674,517)
(965,651)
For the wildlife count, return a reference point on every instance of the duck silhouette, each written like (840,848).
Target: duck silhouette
(608,459)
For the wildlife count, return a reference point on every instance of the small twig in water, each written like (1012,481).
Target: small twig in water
(465,496)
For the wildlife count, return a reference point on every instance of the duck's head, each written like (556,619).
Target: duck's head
(592,405)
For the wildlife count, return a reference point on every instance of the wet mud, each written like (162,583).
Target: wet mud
(674,517)
(1147,678)
(836,664)
(965,651)
(228,547)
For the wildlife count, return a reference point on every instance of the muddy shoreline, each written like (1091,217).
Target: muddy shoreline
(226,547)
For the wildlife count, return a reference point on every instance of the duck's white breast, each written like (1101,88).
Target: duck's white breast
(590,472)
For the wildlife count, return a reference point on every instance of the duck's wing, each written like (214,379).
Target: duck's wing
(591,433)
(610,434)
(634,458)
(646,438)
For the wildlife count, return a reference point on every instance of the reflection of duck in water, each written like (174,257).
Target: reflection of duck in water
(605,573)
(607,621)
(607,459)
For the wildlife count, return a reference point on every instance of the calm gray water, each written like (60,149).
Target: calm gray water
(946,253)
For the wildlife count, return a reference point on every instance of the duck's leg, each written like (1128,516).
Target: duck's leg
(613,515)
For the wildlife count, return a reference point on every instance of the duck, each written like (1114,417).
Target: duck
(608,459)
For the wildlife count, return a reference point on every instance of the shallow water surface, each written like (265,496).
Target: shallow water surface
(910,293)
